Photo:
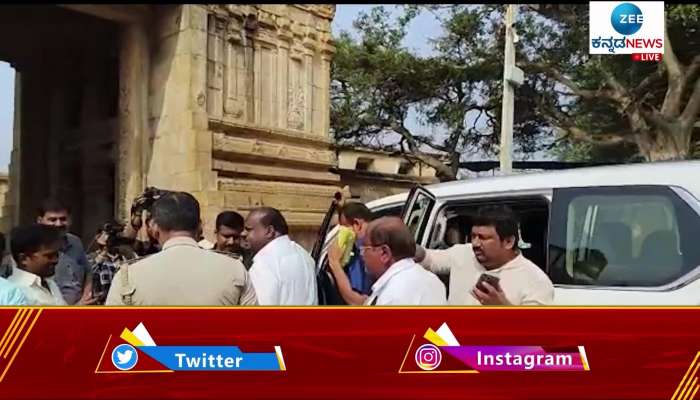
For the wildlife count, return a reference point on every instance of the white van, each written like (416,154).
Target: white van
(620,235)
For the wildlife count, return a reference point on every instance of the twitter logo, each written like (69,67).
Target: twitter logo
(124,357)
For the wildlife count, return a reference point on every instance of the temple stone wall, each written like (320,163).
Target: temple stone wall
(267,104)
(229,102)
(370,174)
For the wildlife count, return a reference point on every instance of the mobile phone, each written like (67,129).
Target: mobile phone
(492,280)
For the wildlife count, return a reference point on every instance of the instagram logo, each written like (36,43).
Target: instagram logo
(428,357)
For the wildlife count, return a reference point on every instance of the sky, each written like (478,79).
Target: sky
(421,29)
(7,90)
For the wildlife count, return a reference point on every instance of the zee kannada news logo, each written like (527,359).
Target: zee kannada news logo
(635,28)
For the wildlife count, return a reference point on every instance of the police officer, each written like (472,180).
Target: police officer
(182,273)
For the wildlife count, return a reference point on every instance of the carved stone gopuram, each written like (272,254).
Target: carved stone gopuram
(229,102)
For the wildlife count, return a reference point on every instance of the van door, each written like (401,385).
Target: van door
(625,245)
(417,210)
(325,225)
(326,287)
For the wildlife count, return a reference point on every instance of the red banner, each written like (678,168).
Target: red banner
(347,352)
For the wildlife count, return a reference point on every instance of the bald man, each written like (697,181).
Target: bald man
(283,273)
(388,252)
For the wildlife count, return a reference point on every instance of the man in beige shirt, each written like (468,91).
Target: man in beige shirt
(182,273)
(493,250)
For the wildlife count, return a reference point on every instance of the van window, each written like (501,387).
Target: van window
(623,236)
(394,211)
(532,212)
(416,217)
(454,225)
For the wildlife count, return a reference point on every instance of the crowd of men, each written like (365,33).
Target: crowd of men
(161,258)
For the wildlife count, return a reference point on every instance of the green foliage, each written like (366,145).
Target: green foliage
(594,106)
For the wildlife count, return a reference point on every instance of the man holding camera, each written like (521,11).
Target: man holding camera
(490,270)
(113,249)
(139,229)
(182,273)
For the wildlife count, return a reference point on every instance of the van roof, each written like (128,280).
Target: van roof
(678,173)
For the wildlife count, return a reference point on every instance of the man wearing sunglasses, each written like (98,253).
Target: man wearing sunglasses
(388,252)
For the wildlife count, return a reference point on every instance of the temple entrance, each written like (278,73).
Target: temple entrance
(66,111)
(113,98)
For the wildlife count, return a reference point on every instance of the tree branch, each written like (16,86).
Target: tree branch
(568,129)
(428,142)
(555,74)
(580,135)
(693,67)
(658,119)
(692,108)
(673,66)
(651,78)
(443,172)
(619,92)
(676,81)
(555,12)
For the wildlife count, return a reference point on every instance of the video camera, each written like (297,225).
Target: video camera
(145,201)
(141,211)
(114,232)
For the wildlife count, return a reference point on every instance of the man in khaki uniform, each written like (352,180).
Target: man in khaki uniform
(182,273)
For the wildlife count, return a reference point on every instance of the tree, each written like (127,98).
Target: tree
(597,106)
(377,84)
(609,100)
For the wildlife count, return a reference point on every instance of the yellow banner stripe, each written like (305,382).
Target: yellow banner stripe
(682,384)
(434,338)
(685,394)
(14,330)
(18,332)
(692,396)
(406,355)
(130,338)
(103,354)
(21,343)
(280,358)
(585,364)
(690,384)
(9,329)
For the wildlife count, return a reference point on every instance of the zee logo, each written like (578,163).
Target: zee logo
(428,357)
(627,19)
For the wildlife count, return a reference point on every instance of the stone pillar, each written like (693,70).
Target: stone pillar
(172,158)
(11,211)
(96,130)
(180,152)
(57,124)
(133,125)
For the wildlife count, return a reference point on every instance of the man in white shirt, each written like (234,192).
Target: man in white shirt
(388,250)
(35,249)
(283,273)
(73,272)
(493,250)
